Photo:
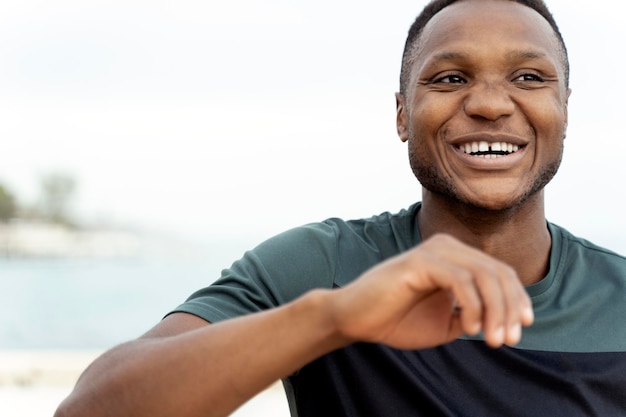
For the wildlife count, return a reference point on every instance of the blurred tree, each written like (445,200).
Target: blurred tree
(57,190)
(8,206)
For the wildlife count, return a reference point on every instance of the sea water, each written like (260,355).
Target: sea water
(97,303)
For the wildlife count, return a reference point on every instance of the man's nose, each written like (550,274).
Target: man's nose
(489,101)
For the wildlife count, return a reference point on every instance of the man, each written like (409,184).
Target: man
(415,313)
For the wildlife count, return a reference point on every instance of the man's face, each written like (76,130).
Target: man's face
(485,110)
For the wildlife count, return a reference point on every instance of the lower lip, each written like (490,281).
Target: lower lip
(500,163)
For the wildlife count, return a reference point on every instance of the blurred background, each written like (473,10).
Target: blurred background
(145,145)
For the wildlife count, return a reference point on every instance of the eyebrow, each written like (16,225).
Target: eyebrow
(526,54)
(450,56)
(516,55)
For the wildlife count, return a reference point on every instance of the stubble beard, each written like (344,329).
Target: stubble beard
(435,181)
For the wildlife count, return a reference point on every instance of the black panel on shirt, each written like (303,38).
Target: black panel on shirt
(464,378)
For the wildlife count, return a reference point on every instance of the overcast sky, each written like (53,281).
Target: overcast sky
(243,117)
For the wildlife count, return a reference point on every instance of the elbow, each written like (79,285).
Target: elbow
(72,407)
(63,410)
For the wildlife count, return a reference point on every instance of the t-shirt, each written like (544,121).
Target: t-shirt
(570,362)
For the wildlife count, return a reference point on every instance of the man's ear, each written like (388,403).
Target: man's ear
(402,118)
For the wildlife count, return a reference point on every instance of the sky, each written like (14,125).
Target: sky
(239,118)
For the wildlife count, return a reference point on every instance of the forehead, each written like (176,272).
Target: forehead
(469,26)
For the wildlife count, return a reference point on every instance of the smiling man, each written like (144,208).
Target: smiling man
(418,313)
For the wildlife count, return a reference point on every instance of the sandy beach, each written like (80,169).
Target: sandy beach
(33,383)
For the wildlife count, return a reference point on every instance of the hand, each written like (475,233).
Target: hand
(432,294)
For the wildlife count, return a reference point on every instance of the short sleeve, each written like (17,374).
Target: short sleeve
(274,273)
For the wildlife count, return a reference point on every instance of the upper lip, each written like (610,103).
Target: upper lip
(488,137)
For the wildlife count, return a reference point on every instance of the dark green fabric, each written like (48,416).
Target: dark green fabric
(579,306)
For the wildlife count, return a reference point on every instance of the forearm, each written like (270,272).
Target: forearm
(209,371)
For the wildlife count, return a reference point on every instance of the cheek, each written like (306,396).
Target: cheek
(551,132)
(552,114)
(429,118)
(548,121)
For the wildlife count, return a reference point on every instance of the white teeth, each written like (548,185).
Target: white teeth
(483,146)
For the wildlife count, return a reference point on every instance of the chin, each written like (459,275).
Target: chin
(504,195)
(486,200)
(504,202)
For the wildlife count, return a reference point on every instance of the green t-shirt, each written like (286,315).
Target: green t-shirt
(572,360)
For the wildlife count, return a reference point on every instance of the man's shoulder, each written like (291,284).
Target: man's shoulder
(400,222)
(581,247)
(337,247)
(398,227)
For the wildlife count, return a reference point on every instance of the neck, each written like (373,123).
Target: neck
(518,236)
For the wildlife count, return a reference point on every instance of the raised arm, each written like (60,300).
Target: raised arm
(425,297)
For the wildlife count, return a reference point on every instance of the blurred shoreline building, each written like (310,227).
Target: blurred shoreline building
(35,239)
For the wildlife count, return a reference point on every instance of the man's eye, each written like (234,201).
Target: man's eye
(451,79)
(529,77)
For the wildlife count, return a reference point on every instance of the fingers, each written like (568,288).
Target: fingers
(409,301)
(503,304)
(488,294)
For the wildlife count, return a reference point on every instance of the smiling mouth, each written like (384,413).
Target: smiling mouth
(488,150)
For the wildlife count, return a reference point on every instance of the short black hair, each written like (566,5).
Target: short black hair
(435,6)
